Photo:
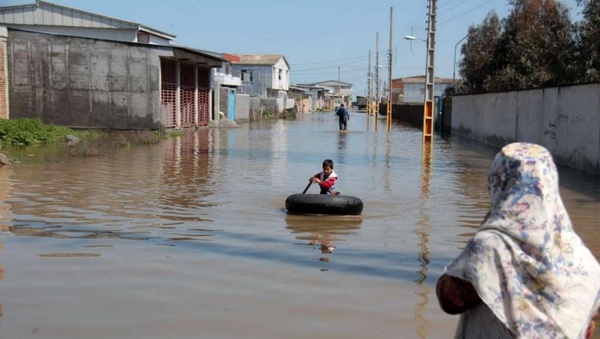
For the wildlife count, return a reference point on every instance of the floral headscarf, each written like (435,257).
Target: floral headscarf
(525,261)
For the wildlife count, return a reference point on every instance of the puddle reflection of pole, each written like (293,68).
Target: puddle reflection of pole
(6,215)
(422,232)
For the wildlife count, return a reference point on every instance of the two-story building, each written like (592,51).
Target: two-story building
(80,69)
(265,76)
(262,75)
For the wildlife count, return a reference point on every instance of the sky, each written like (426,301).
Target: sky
(321,39)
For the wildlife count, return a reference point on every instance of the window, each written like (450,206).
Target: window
(246,75)
(280,71)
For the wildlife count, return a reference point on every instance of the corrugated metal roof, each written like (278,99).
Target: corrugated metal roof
(50,14)
(332,83)
(260,59)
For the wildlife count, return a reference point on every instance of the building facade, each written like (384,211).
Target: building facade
(81,69)
(264,76)
(412,89)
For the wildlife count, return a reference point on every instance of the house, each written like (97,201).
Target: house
(81,69)
(412,89)
(265,76)
(308,98)
(337,92)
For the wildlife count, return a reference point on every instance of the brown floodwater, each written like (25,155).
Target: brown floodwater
(189,238)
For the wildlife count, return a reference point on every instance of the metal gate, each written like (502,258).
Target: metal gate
(187,94)
(186,98)
(203,113)
(168,71)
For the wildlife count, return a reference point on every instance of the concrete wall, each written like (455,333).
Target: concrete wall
(242,107)
(565,120)
(3,74)
(224,101)
(255,108)
(410,113)
(80,82)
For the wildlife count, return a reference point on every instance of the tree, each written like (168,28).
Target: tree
(588,41)
(536,47)
(478,53)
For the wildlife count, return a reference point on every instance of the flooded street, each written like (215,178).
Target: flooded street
(190,238)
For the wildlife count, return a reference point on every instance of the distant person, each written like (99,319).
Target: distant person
(343,117)
(326,179)
(525,273)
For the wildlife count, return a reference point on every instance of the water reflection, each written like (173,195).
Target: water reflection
(322,232)
(198,218)
(422,232)
(6,188)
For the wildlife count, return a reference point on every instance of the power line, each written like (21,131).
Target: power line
(332,61)
(467,12)
(328,67)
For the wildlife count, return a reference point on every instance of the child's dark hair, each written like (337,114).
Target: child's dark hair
(328,163)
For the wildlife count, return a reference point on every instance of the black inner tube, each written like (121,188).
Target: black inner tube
(323,204)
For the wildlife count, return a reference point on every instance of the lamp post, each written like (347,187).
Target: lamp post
(410,37)
(454,68)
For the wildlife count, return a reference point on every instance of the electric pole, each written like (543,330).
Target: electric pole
(369,86)
(377,73)
(428,104)
(389,85)
(339,86)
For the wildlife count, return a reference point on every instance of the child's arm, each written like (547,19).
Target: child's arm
(314,177)
(327,183)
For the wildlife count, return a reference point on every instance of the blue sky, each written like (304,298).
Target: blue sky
(316,37)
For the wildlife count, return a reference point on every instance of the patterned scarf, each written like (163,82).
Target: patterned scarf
(525,261)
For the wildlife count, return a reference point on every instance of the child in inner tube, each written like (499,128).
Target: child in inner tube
(326,179)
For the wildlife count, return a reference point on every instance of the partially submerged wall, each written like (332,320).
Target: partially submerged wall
(565,120)
(82,82)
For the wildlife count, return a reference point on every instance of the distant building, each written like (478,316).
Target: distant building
(224,75)
(412,89)
(337,92)
(265,76)
(308,98)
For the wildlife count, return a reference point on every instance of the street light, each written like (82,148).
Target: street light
(410,37)
(454,68)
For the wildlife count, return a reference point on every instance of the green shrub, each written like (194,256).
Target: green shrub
(26,132)
(268,113)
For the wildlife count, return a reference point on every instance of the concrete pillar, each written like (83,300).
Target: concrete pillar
(196,111)
(178,96)
(3,73)
(217,102)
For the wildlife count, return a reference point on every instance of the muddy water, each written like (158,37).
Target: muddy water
(190,239)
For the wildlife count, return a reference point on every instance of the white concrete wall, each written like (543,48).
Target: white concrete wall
(565,120)
(242,107)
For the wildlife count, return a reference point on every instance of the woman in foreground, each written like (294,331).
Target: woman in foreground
(525,273)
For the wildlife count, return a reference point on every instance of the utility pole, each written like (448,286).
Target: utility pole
(377,74)
(369,86)
(389,85)
(339,86)
(428,105)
